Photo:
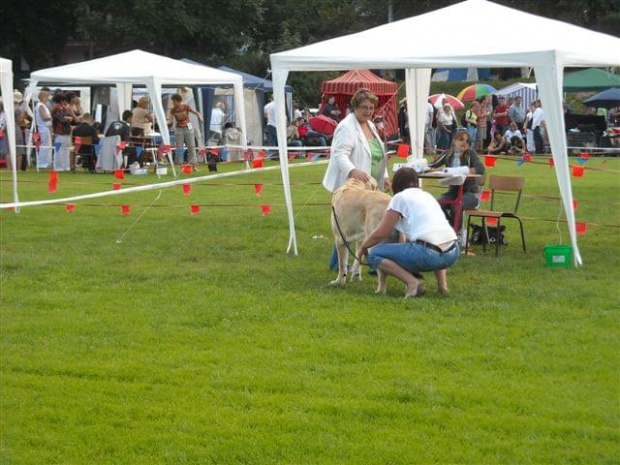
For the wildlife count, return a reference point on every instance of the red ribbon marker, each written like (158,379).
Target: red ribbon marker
(69,207)
(578,171)
(116,186)
(403,150)
(551,162)
(265,209)
(258,189)
(53,176)
(489,160)
(485,196)
(119,174)
(195,209)
(491,221)
(257,163)
(187,189)
(52,187)
(125,209)
(580,228)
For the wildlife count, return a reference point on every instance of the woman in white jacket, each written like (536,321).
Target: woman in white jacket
(357,150)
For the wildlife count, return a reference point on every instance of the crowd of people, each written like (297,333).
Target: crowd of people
(504,128)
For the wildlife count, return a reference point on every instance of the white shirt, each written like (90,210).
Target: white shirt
(270,111)
(421,216)
(41,123)
(537,117)
(429,113)
(218,117)
(510,134)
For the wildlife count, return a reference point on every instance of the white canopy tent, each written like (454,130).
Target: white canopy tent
(405,44)
(6,84)
(141,69)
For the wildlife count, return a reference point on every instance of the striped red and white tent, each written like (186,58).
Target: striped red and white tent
(343,88)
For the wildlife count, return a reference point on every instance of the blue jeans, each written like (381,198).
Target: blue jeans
(413,257)
(272,140)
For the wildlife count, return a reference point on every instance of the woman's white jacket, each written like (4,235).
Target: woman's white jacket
(349,150)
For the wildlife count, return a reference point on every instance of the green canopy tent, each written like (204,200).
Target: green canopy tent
(592,79)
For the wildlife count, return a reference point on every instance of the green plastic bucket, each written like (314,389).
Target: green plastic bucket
(558,256)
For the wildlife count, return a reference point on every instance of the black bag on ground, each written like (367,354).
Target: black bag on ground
(480,236)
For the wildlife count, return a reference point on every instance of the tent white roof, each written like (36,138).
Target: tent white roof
(141,69)
(135,67)
(405,44)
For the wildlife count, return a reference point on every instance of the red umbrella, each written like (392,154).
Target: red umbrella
(323,124)
(455,103)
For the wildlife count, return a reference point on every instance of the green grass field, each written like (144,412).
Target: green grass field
(196,339)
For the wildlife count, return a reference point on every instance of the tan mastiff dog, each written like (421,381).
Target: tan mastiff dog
(357,209)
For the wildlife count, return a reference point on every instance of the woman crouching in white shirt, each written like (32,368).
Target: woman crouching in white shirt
(431,242)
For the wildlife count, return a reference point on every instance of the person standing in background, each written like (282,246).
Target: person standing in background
(61,124)
(43,119)
(272,134)
(179,116)
(140,116)
(516,112)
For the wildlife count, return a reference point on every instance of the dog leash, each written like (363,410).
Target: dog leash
(346,243)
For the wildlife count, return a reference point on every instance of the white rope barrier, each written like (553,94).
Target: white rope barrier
(149,187)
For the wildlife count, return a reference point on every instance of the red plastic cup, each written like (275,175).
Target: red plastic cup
(580,228)
(527,157)
(125,209)
(489,160)
(491,221)
(578,171)
(53,176)
(258,189)
(265,209)
(116,186)
(187,169)
(70,207)
(52,187)
(119,174)
(195,209)
(187,189)
(551,162)
(257,163)
(485,196)
(403,150)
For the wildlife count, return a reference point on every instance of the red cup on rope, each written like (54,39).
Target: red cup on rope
(258,163)
(403,150)
(265,209)
(119,174)
(70,207)
(580,228)
(125,209)
(195,209)
(258,189)
(527,158)
(187,189)
(578,171)
(491,221)
(187,169)
(116,186)
(485,196)
(489,160)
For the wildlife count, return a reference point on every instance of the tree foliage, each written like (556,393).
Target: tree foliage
(239,33)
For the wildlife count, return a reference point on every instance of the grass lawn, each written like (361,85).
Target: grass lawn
(196,339)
